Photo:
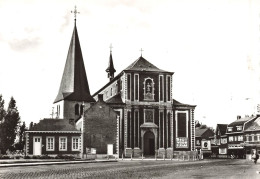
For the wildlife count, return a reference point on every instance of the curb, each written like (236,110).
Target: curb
(54,163)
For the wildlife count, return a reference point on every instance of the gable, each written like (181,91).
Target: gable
(100,110)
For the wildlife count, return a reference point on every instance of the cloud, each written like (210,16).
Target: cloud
(66,21)
(24,44)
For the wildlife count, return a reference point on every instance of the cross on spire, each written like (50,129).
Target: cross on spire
(141,52)
(75,13)
(110,48)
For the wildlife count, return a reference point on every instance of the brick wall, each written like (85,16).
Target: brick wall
(100,127)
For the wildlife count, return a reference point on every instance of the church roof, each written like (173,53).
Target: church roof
(141,64)
(117,99)
(55,125)
(74,84)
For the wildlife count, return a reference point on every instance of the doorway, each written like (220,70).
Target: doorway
(37,145)
(109,149)
(149,143)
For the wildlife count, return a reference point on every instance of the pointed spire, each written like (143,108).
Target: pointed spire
(74,84)
(110,69)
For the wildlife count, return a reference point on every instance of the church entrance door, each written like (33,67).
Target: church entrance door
(149,143)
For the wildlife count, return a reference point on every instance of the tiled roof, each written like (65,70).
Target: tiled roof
(115,99)
(199,132)
(253,125)
(142,64)
(56,125)
(74,84)
(240,121)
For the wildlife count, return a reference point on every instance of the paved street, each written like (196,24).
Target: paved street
(139,169)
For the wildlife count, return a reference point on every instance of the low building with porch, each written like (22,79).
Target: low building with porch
(53,137)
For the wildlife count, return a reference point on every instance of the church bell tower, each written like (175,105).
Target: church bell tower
(110,69)
(74,94)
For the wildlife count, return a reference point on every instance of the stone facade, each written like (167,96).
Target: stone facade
(149,120)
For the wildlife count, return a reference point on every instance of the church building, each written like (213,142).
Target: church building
(150,121)
(133,114)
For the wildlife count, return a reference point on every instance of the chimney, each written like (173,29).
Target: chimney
(238,117)
(100,98)
(31,126)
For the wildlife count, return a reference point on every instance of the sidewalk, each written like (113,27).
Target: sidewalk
(17,163)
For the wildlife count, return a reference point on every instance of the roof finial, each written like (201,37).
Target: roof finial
(110,48)
(75,13)
(141,52)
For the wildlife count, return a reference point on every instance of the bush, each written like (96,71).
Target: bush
(5,157)
(66,157)
(69,157)
(17,157)
(46,157)
(27,157)
(58,157)
(36,156)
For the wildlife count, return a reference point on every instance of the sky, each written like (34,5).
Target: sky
(212,46)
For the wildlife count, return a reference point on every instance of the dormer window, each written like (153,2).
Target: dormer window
(239,128)
(230,129)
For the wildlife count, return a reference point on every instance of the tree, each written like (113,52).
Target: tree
(197,123)
(21,135)
(2,115)
(10,124)
(2,110)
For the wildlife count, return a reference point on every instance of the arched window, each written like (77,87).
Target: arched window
(81,109)
(77,109)
(148,89)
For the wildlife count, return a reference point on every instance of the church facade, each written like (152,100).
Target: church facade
(150,121)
